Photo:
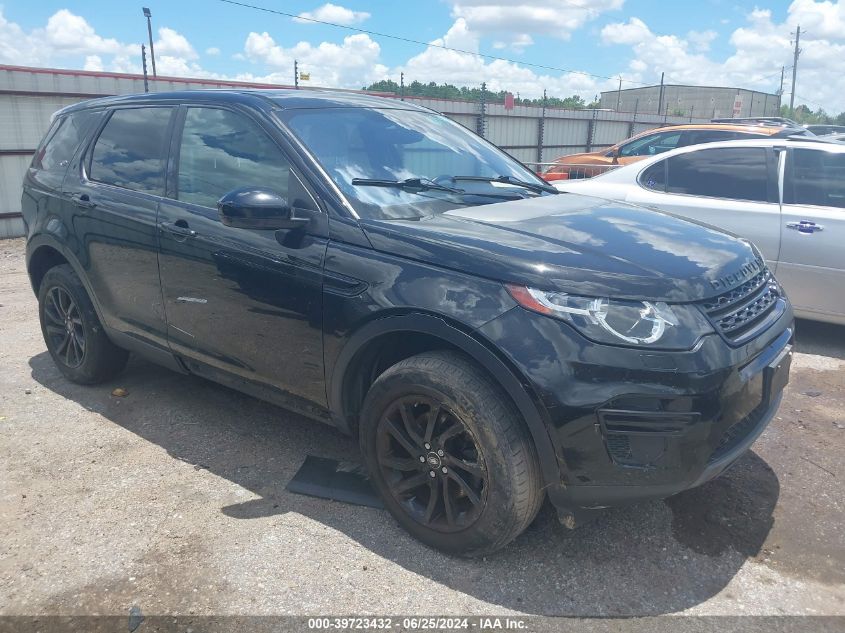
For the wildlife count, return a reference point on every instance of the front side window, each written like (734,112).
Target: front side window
(393,145)
(733,173)
(221,151)
(651,144)
(130,151)
(818,178)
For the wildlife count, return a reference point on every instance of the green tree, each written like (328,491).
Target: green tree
(434,90)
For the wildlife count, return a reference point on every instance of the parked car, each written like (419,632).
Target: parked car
(657,141)
(786,195)
(823,129)
(372,264)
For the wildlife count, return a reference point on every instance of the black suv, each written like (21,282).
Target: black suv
(375,265)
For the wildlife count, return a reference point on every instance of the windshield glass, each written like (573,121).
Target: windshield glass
(397,145)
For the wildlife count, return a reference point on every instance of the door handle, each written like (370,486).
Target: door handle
(804,226)
(82,200)
(180,228)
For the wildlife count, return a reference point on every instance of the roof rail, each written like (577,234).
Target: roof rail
(760,120)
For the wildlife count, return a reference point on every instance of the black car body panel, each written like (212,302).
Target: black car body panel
(295,317)
(580,245)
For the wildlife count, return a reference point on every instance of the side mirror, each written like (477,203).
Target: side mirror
(258,208)
(613,153)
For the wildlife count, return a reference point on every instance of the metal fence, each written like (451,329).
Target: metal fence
(29,96)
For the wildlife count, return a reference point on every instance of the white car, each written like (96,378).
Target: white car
(785,195)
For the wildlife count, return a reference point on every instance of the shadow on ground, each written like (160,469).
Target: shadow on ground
(822,339)
(656,557)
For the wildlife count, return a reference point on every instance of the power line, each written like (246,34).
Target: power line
(421,43)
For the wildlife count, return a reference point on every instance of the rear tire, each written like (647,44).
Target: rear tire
(449,454)
(73,332)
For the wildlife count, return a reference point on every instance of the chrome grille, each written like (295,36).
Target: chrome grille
(736,312)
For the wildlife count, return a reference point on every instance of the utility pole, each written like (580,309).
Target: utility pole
(619,94)
(144,63)
(794,70)
(402,86)
(660,99)
(149,16)
(296,74)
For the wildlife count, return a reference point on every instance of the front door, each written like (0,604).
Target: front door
(243,306)
(734,189)
(812,258)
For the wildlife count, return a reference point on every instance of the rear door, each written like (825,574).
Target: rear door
(244,306)
(115,195)
(731,188)
(812,257)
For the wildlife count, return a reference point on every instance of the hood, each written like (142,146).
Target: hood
(575,244)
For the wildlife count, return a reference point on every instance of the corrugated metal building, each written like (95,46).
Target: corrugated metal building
(29,96)
(701,101)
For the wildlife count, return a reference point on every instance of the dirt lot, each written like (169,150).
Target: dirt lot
(172,499)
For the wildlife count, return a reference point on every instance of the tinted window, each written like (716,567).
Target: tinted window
(818,178)
(61,142)
(655,177)
(735,173)
(131,150)
(651,144)
(221,151)
(697,137)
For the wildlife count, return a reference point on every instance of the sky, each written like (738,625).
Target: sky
(585,45)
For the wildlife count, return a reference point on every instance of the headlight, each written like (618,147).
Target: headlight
(618,322)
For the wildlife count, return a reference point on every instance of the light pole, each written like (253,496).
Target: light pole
(149,15)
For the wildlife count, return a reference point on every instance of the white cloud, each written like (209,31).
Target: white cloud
(518,43)
(93,63)
(351,64)
(761,47)
(213,51)
(441,65)
(554,18)
(174,44)
(332,13)
(701,40)
(67,32)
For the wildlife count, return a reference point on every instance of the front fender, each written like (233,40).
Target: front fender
(506,377)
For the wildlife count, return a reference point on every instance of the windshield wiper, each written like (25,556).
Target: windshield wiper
(510,180)
(413,185)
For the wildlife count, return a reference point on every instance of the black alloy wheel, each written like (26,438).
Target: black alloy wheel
(72,330)
(63,326)
(449,454)
(431,463)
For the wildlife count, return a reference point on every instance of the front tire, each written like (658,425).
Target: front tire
(72,331)
(449,454)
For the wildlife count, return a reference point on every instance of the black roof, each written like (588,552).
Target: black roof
(282,98)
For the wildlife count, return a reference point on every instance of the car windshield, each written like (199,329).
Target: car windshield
(406,164)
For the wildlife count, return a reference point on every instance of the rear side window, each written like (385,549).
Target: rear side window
(732,173)
(654,177)
(61,142)
(222,151)
(697,137)
(818,178)
(130,151)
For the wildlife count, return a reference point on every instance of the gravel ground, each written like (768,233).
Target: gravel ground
(172,499)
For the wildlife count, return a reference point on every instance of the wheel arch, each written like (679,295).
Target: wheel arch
(44,252)
(362,360)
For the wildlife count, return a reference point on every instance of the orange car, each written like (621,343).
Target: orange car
(655,141)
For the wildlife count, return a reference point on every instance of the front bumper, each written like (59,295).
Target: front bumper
(631,424)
